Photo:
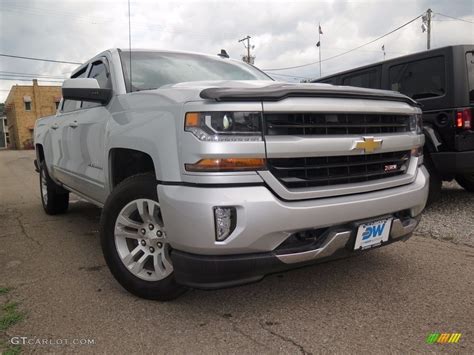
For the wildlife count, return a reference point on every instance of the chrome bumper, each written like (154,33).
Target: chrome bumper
(337,240)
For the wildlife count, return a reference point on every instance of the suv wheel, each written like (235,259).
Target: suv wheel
(54,198)
(436,182)
(466,181)
(134,241)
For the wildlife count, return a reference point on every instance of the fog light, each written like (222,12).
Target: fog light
(225,220)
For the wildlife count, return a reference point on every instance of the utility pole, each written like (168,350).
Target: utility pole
(426,26)
(247,59)
(428,30)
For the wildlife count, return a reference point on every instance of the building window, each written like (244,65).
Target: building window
(28,106)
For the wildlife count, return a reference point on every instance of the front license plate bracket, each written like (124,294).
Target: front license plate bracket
(373,233)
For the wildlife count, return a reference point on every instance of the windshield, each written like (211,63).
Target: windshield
(151,70)
(470,74)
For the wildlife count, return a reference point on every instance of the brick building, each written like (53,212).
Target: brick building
(24,105)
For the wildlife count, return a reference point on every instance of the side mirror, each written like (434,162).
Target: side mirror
(85,89)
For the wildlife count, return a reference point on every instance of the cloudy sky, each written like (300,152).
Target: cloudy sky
(284,33)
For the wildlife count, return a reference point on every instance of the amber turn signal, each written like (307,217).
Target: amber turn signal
(229,164)
(192,120)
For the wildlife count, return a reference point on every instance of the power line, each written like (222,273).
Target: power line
(454,18)
(7,73)
(39,59)
(18,79)
(350,50)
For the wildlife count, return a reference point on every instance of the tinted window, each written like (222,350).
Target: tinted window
(328,81)
(100,73)
(420,79)
(470,73)
(151,70)
(367,79)
(71,105)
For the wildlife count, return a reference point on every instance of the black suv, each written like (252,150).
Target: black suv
(442,81)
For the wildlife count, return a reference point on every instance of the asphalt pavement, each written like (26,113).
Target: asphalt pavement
(383,301)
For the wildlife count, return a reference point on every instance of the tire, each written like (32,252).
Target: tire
(466,181)
(54,198)
(435,181)
(134,242)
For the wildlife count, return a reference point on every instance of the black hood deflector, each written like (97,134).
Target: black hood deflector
(277,92)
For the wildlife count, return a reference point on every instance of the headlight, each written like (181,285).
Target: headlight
(416,123)
(224,126)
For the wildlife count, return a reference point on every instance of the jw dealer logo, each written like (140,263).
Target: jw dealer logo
(443,338)
(373,231)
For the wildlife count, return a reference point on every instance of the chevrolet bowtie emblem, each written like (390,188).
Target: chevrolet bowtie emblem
(369,144)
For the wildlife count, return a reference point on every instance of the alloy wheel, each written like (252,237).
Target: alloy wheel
(140,239)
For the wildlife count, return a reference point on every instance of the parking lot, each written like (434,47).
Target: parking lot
(387,300)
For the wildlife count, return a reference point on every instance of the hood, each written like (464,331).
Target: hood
(261,90)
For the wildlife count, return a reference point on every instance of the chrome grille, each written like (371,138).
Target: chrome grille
(335,170)
(334,123)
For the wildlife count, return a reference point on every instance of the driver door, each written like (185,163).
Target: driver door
(86,140)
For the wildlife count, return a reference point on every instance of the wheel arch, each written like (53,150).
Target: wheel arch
(126,162)
(39,153)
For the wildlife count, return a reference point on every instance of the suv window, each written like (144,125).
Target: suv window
(470,74)
(100,73)
(420,79)
(366,79)
(329,81)
(71,105)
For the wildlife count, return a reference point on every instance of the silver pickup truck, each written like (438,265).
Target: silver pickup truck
(210,174)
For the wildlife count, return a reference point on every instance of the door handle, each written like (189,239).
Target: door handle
(73,124)
(55,126)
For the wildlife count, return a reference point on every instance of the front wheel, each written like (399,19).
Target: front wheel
(466,181)
(134,241)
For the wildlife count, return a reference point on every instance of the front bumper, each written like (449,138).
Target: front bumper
(264,222)
(454,162)
(218,271)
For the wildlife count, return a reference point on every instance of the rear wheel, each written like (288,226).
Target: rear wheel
(466,181)
(54,198)
(134,241)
